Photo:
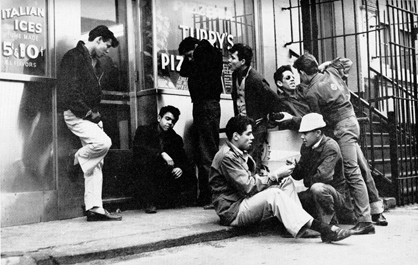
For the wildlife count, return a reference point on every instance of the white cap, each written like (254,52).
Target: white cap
(311,122)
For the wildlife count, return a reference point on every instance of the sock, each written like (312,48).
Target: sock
(320,226)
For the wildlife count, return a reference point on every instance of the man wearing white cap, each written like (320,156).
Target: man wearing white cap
(321,168)
(242,197)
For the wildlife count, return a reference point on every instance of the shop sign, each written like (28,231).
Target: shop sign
(23,37)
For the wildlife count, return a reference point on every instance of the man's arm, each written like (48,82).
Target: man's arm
(145,144)
(242,179)
(325,171)
(70,84)
(340,66)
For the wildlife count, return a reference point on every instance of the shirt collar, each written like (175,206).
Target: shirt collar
(317,143)
(243,154)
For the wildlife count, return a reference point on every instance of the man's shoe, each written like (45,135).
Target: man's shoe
(379,219)
(151,209)
(363,228)
(93,216)
(337,235)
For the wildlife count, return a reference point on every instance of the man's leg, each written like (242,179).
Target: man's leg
(329,203)
(259,142)
(275,202)
(346,133)
(96,144)
(376,203)
(206,119)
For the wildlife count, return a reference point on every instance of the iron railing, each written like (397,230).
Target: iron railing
(383,79)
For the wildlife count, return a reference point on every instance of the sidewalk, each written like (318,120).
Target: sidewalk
(76,240)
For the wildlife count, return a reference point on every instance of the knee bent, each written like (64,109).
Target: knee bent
(317,188)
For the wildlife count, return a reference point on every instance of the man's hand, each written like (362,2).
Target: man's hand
(167,159)
(286,117)
(177,172)
(93,117)
(282,172)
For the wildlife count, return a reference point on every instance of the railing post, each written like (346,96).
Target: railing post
(394,163)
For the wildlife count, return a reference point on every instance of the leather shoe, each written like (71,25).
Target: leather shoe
(337,235)
(379,219)
(363,228)
(151,209)
(94,216)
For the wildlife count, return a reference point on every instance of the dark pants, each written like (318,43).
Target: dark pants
(206,119)
(259,143)
(326,204)
(161,189)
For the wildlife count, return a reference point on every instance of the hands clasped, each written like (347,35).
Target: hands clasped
(282,172)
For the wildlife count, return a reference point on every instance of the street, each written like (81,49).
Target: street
(394,244)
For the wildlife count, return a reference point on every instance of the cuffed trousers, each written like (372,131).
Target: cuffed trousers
(347,132)
(96,144)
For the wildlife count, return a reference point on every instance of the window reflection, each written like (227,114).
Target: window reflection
(223,22)
(115,111)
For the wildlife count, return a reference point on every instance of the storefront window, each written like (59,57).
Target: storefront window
(23,37)
(224,22)
(115,63)
(115,104)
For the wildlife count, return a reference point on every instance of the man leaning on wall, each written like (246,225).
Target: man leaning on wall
(79,96)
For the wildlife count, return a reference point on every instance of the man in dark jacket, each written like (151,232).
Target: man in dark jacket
(292,98)
(202,66)
(242,197)
(162,163)
(79,96)
(329,95)
(252,97)
(321,168)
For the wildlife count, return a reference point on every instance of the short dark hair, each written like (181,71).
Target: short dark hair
(187,44)
(238,124)
(244,52)
(307,63)
(105,33)
(173,110)
(278,75)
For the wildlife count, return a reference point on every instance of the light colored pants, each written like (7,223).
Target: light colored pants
(376,203)
(280,201)
(347,133)
(96,144)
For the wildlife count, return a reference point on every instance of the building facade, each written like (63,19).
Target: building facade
(143,75)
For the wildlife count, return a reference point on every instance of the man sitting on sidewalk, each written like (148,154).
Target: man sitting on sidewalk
(243,198)
(321,168)
(159,156)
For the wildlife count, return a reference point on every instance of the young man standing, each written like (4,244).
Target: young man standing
(202,66)
(329,95)
(241,197)
(252,97)
(161,161)
(79,96)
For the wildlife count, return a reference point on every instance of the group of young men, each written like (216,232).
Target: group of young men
(233,179)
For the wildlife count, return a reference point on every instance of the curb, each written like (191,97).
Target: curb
(49,257)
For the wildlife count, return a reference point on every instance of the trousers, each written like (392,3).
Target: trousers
(326,204)
(280,201)
(206,119)
(347,133)
(95,145)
